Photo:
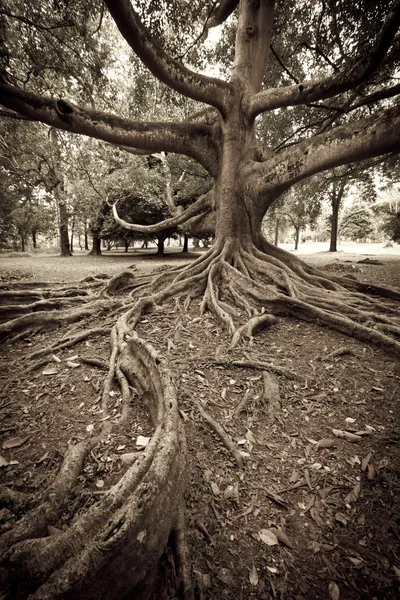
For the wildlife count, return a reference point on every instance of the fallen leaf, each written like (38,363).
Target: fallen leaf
(232,492)
(268,537)
(90,428)
(215,489)
(354,494)
(357,562)
(281,537)
(42,458)
(250,437)
(129,458)
(325,443)
(272,569)
(55,358)
(253,576)
(3,461)
(340,518)
(50,370)
(350,420)
(72,364)
(365,461)
(371,471)
(225,575)
(334,591)
(397,571)
(99,483)
(15,442)
(121,447)
(142,441)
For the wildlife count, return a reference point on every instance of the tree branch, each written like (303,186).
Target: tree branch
(192,139)
(361,140)
(202,205)
(311,91)
(168,70)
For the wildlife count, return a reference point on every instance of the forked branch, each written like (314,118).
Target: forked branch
(168,70)
(355,74)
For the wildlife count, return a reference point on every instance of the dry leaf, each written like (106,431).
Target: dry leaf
(90,428)
(272,569)
(282,537)
(250,437)
(142,441)
(253,576)
(354,494)
(15,442)
(232,492)
(50,370)
(268,537)
(55,358)
(3,461)
(72,364)
(215,489)
(371,471)
(129,458)
(334,591)
(225,575)
(42,458)
(365,461)
(99,483)
(350,420)
(357,562)
(340,518)
(325,443)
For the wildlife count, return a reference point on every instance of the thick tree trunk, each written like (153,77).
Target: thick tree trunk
(185,243)
(96,245)
(34,240)
(160,245)
(22,243)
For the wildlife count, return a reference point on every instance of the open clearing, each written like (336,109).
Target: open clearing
(331,503)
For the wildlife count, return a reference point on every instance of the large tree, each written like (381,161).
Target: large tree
(115,547)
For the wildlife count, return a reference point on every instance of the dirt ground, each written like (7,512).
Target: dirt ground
(314,512)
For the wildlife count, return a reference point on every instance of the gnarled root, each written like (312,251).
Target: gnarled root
(123,536)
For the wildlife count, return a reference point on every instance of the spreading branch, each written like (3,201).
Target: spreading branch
(361,140)
(311,91)
(192,139)
(167,69)
(201,206)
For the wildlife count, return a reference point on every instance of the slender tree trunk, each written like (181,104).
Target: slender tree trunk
(34,240)
(59,194)
(334,226)
(276,236)
(86,237)
(71,247)
(338,193)
(22,242)
(126,244)
(185,243)
(296,239)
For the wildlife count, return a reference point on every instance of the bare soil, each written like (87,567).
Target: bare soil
(331,504)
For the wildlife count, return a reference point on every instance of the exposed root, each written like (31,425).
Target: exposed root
(252,326)
(182,554)
(271,395)
(224,437)
(125,533)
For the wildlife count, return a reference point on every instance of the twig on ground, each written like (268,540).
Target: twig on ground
(224,437)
